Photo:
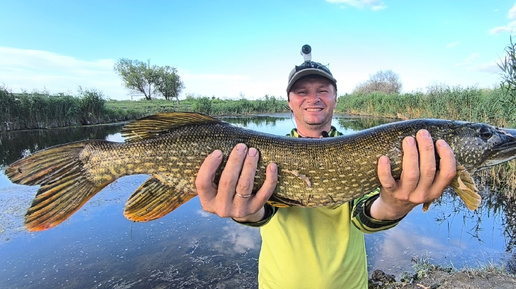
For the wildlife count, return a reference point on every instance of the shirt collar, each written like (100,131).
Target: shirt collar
(332,133)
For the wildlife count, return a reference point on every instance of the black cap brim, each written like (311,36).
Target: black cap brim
(295,76)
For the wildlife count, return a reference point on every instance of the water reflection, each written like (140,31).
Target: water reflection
(14,145)
(357,124)
(448,234)
(97,247)
(501,205)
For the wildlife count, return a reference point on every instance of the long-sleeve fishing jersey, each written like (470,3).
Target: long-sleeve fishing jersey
(317,247)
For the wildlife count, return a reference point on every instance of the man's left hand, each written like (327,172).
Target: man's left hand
(420,181)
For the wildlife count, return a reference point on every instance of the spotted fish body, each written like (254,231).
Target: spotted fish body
(172,146)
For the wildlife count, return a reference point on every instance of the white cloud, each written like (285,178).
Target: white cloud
(510,27)
(469,60)
(453,44)
(30,70)
(471,63)
(512,13)
(370,4)
(37,70)
(473,56)
(237,239)
(491,67)
(231,86)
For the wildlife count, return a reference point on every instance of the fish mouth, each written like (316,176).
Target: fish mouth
(510,131)
(503,152)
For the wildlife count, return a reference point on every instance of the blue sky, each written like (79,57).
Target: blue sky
(236,48)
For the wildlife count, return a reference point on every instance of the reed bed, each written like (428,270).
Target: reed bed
(39,110)
(471,104)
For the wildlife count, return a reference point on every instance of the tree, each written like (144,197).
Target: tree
(385,81)
(156,80)
(168,82)
(137,75)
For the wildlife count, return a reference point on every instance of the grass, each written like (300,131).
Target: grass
(470,104)
(206,105)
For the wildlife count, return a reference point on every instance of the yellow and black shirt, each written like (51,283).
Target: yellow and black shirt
(317,247)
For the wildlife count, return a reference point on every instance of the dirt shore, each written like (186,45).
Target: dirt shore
(445,278)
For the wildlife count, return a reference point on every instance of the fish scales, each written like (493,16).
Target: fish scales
(172,146)
(109,161)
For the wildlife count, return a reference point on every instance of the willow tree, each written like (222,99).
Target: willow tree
(168,82)
(156,80)
(137,75)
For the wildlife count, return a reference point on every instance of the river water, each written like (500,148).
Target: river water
(98,248)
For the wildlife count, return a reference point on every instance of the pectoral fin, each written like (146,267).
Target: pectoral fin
(426,206)
(465,187)
(158,196)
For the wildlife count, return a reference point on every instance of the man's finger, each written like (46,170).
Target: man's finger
(427,164)
(447,169)
(410,167)
(206,175)
(385,176)
(265,192)
(245,184)
(231,174)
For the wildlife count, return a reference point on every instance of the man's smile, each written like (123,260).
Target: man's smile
(314,109)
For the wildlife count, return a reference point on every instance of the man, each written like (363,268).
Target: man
(320,247)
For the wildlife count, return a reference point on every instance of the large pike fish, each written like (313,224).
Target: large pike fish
(170,147)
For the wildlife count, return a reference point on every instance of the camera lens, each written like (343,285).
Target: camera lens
(306,49)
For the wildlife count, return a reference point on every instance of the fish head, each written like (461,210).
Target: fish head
(478,145)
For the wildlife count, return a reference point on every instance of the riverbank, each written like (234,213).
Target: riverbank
(43,110)
(25,111)
(446,278)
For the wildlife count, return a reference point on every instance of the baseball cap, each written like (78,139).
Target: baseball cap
(309,68)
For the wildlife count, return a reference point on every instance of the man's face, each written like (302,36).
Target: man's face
(312,101)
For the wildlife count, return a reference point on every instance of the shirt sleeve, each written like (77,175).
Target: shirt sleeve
(361,216)
(270,211)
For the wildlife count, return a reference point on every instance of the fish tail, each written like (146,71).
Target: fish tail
(65,186)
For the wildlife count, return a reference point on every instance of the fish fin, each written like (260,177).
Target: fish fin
(277,204)
(64,184)
(161,123)
(158,196)
(280,202)
(465,187)
(426,206)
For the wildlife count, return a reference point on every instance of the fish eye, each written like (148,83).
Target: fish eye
(485,133)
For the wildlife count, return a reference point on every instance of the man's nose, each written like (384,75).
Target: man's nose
(313,95)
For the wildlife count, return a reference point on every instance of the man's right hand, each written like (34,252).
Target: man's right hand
(234,196)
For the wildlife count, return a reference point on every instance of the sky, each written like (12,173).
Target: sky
(235,49)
